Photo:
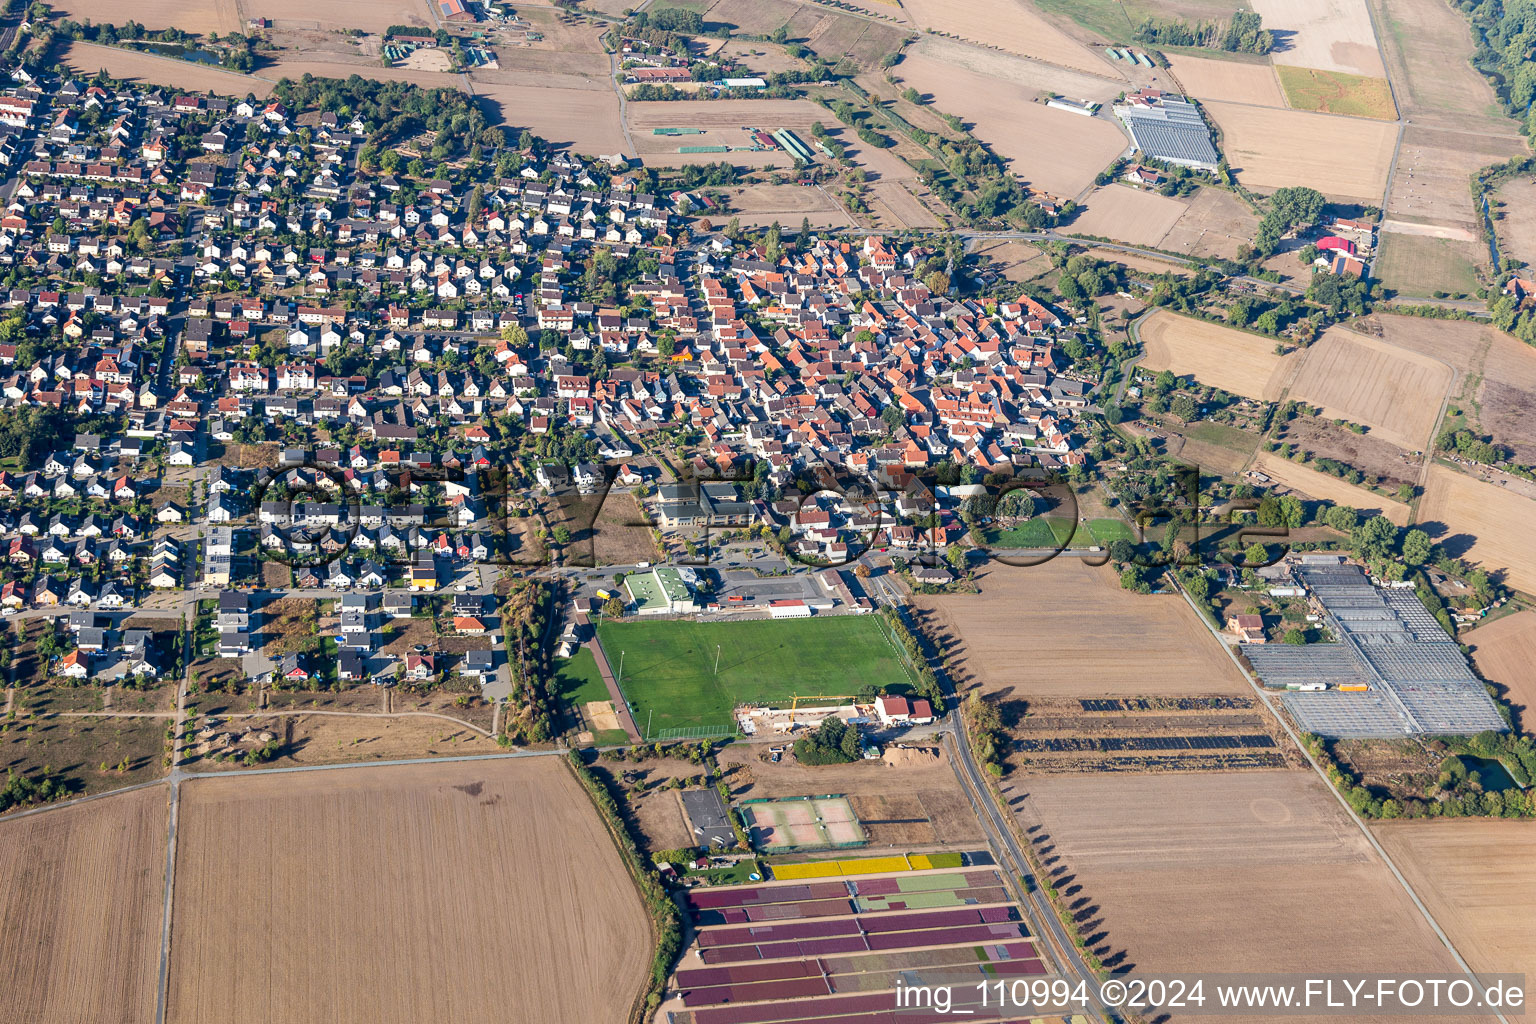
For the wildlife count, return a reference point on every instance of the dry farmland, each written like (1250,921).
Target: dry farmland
(1128,215)
(469,912)
(1336,92)
(1367,381)
(1372,456)
(1216,224)
(583,117)
(1316,484)
(1033,76)
(337,15)
(1468,873)
(1415,264)
(1343,157)
(312,739)
(1219,357)
(1013,126)
(82,910)
(1331,35)
(1428,48)
(1011,25)
(219,16)
(1066,629)
(1505,651)
(1484,523)
(88,58)
(1517,221)
(896,206)
(1224,872)
(1234,81)
(1015,261)
(1434,169)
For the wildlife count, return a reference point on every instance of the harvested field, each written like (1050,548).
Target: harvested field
(1428,48)
(1230,80)
(1226,871)
(1335,92)
(581,118)
(219,16)
(1330,35)
(88,58)
(1504,651)
(1032,76)
(1465,872)
(898,208)
(1419,265)
(1221,357)
(1128,215)
(1010,25)
(934,811)
(82,911)
(1216,223)
(1431,187)
(329,856)
(1317,484)
(1366,381)
(761,205)
(1342,157)
(1507,398)
(1483,523)
(1006,119)
(1372,456)
(337,15)
(1516,223)
(1066,629)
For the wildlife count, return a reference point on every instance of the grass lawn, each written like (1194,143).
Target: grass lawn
(1417,265)
(1053,532)
(1219,434)
(577,679)
(1336,92)
(1107,531)
(669,666)
(1116,20)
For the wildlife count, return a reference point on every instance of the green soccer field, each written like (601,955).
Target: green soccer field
(669,665)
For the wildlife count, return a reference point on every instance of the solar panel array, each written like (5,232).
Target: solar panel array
(1173,131)
(1418,678)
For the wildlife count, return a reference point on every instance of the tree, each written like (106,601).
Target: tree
(937,282)
(1341,518)
(955,556)
(1256,555)
(892,416)
(1183,407)
(562,535)
(613,608)
(1295,637)
(1416,547)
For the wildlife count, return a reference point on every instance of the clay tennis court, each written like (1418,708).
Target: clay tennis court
(777,825)
(1220,357)
(484,890)
(1397,394)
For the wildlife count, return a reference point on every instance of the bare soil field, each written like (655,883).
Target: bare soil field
(337,15)
(1031,75)
(327,857)
(1505,651)
(88,58)
(1216,223)
(761,205)
(1016,261)
(894,202)
(1343,157)
(82,911)
(1065,629)
(1482,522)
(1006,119)
(1230,80)
(1223,870)
(1317,484)
(1465,872)
(620,534)
(1221,357)
(582,117)
(1366,381)
(762,58)
(1331,35)
(1128,215)
(1428,48)
(1372,456)
(1434,171)
(761,17)
(219,16)
(1010,25)
(939,798)
(316,738)
(656,812)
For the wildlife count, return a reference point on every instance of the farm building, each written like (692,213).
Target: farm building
(792,145)
(455,10)
(1391,672)
(1168,127)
